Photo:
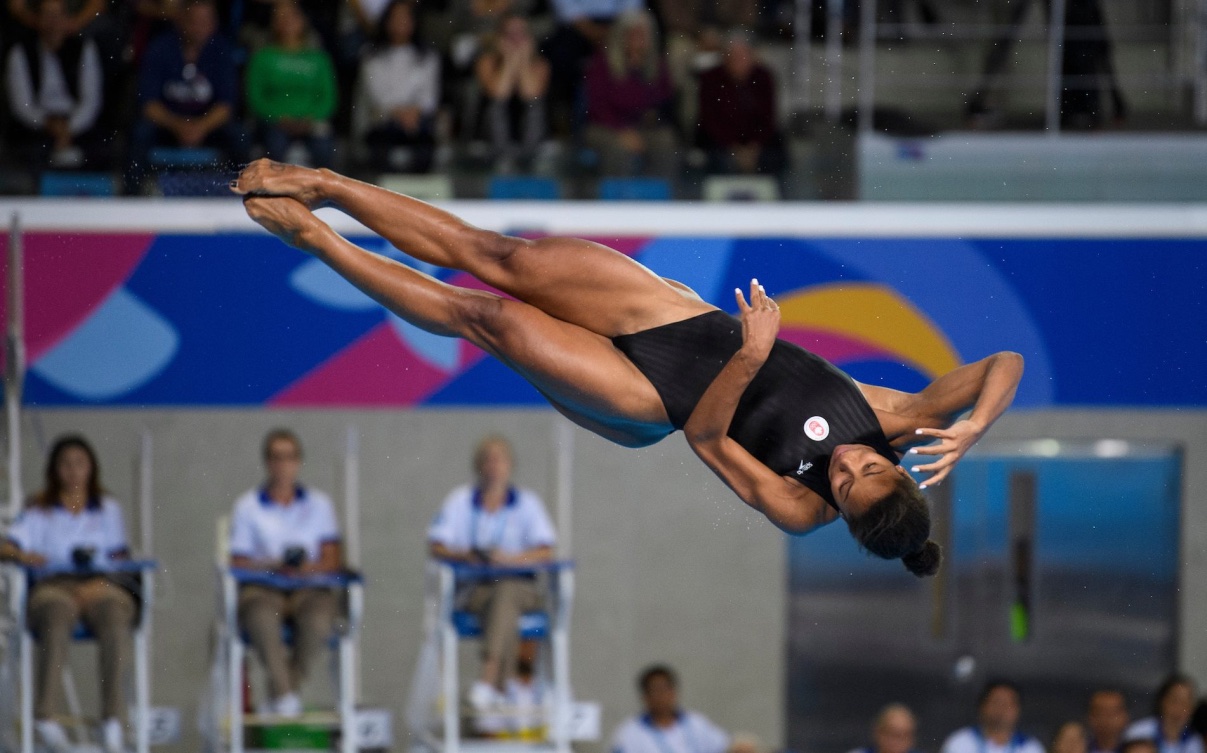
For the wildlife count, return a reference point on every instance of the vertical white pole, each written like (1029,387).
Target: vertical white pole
(867,64)
(14,372)
(802,31)
(1200,57)
(834,14)
(1056,43)
(142,640)
(352,537)
(563,449)
(145,503)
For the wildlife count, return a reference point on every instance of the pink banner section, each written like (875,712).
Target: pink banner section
(67,277)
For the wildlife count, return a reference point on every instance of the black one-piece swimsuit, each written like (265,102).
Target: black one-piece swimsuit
(795,411)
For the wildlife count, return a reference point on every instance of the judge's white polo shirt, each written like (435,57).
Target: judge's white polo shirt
(54,533)
(970,740)
(263,529)
(1149,729)
(519,525)
(691,733)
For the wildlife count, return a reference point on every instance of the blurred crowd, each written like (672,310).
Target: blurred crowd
(130,86)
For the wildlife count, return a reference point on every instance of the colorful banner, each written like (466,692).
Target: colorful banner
(240,320)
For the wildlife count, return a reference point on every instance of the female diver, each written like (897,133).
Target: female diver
(632,357)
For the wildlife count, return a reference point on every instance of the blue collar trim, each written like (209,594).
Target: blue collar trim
(512,498)
(648,720)
(299,495)
(92,505)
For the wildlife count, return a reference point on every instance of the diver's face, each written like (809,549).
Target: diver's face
(859,477)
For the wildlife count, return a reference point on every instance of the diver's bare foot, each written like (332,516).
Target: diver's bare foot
(265,177)
(286,218)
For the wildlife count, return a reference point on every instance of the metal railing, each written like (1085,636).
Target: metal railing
(825,72)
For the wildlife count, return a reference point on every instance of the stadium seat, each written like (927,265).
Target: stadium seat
(76,184)
(741,188)
(524,188)
(433,187)
(634,189)
(181,156)
(194,184)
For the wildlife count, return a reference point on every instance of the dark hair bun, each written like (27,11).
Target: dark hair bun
(925,561)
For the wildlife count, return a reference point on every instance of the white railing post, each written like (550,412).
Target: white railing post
(14,373)
(1056,43)
(867,64)
(834,16)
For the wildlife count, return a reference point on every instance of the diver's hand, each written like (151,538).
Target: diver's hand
(953,442)
(760,321)
(264,177)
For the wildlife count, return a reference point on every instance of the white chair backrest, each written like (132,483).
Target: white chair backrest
(222,542)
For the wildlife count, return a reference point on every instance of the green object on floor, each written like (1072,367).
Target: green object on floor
(294,736)
(1020,623)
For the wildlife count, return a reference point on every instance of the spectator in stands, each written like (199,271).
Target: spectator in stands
(581,31)
(737,109)
(1107,718)
(683,22)
(74,531)
(289,529)
(894,731)
(996,731)
(1071,737)
(628,102)
(514,78)
(291,89)
(78,14)
(493,522)
(401,86)
(55,93)
(1169,726)
(472,25)
(257,19)
(147,20)
(187,91)
(664,726)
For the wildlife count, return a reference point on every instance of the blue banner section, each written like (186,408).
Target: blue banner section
(238,319)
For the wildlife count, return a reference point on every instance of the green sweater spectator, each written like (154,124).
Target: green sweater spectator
(291,84)
(291,90)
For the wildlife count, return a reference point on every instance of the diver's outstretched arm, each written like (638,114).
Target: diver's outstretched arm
(987,387)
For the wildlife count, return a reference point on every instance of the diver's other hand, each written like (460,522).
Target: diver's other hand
(760,321)
(953,442)
(264,177)
(286,218)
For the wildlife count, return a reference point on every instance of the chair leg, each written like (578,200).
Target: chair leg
(73,706)
(452,696)
(347,698)
(27,692)
(142,694)
(235,694)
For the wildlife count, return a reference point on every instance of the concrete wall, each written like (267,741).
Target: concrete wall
(670,566)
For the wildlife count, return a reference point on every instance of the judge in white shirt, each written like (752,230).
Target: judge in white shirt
(996,730)
(74,531)
(1169,727)
(665,726)
(495,523)
(290,529)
